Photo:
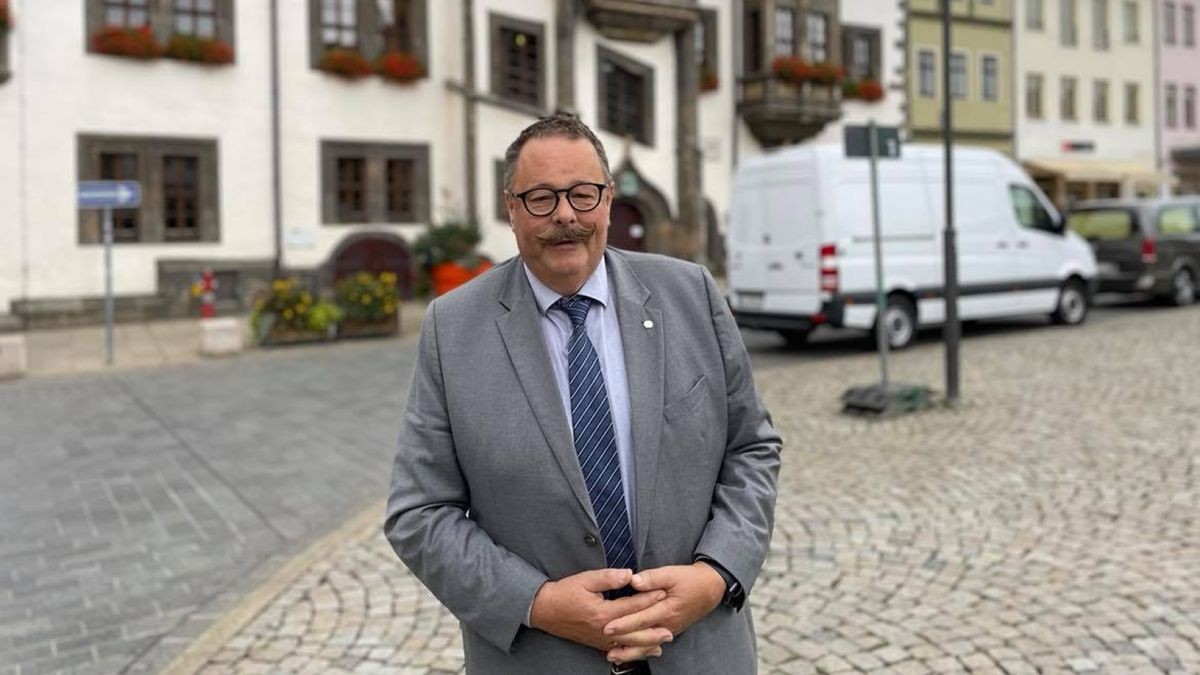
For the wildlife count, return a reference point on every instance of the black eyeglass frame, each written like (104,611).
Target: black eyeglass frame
(599,198)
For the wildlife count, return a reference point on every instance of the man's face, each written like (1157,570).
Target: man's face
(562,249)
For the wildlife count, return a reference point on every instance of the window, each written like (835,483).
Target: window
(785,31)
(126,13)
(1100,100)
(860,47)
(1172,106)
(752,41)
(196,17)
(958,76)
(121,166)
(1033,95)
(1030,212)
(339,24)
(1066,100)
(1189,26)
(1131,23)
(626,97)
(368,27)
(706,46)
(397,20)
(816,43)
(1177,220)
(374,183)
(1102,224)
(1068,31)
(1100,24)
(1169,23)
(351,189)
(1131,103)
(180,200)
(1189,107)
(1034,15)
(518,66)
(989,67)
(927,76)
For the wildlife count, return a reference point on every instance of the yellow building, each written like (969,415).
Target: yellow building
(981,66)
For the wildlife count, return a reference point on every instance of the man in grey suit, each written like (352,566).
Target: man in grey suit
(586,475)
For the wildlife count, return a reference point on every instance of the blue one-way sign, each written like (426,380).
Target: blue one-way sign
(110,194)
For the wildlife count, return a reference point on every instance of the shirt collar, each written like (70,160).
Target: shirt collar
(596,288)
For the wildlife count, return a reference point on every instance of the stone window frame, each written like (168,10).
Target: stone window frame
(162,21)
(794,13)
(1032,111)
(496,24)
(1131,30)
(151,214)
(377,156)
(1101,94)
(963,92)
(1068,30)
(932,90)
(1170,30)
(984,58)
(371,42)
(752,39)
(808,48)
(639,69)
(1101,26)
(874,38)
(1035,15)
(1187,20)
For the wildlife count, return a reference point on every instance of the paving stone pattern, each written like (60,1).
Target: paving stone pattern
(1049,525)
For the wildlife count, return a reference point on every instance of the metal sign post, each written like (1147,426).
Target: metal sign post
(107,195)
(952,331)
(880,294)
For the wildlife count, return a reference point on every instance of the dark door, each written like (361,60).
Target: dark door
(376,256)
(628,228)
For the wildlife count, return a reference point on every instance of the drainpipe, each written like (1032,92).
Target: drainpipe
(687,149)
(276,160)
(564,71)
(470,108)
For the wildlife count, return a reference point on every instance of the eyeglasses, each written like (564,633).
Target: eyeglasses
(582,197)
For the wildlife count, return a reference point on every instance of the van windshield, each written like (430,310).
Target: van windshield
(1105,224)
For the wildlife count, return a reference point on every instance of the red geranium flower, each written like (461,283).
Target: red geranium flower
(137,43)
(346,63)
(400,67)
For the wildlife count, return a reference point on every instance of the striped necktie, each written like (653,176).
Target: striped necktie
(595,439)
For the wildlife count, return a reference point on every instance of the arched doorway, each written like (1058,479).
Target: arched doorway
(627,226)
(376,254)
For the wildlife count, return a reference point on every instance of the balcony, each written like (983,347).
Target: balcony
(780,112)
(640,20)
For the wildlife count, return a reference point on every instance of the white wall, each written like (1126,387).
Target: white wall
(12,230)
(716,111)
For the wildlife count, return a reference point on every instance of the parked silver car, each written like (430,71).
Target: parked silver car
(1143,246)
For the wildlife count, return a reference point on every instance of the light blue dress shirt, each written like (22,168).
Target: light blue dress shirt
(605,334)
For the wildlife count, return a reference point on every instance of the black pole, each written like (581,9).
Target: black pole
(276,149)
(952,330)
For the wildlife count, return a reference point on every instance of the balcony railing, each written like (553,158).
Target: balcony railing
(640,20)
(779,112)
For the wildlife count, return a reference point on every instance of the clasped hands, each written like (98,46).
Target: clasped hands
(667,600)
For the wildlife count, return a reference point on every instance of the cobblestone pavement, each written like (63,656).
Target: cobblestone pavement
(137,506)
(1049,525)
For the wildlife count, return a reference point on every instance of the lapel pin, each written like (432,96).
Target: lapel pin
(647,324)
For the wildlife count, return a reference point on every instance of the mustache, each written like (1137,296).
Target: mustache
(566,234)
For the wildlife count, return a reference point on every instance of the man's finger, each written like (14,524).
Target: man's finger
(652,616)
(634,603)
(648,580)
(630,654)
(598,581)
(651,637)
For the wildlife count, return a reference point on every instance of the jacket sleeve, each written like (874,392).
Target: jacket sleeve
(738,534)
(485,586)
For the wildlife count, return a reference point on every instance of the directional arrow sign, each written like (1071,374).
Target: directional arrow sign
(110,194)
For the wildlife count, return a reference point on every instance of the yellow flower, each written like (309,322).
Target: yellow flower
(302,309)
(366,299)
(287,314)
(306,298)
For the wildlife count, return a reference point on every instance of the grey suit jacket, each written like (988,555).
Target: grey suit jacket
(487,498)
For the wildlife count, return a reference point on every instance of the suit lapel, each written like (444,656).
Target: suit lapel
(521,331)
(643,347)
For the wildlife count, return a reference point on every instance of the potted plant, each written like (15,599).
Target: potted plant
(200,50)
(791,69)
(828,74)
(288,315)
(708,79)
(447,253)
(400,67)
(369,305)
(346,63)
(135,43)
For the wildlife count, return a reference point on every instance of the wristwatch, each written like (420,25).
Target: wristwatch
(735,596)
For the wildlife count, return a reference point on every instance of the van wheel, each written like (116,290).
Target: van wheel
(900,321)
(1072,306)
(795,337)
(1184,288)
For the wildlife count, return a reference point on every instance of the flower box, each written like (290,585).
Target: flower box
(134,43)
(448,276)
(353,330)
(200,50)
(400,67)
(346,63)
(708,80)
(868,90)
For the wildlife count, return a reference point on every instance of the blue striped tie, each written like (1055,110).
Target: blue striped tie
(595,440)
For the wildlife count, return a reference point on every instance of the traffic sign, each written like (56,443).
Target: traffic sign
(109,194)
(858,141)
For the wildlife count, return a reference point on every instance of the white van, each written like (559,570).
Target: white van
(800,249)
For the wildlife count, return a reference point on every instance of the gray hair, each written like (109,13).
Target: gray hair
(559,125)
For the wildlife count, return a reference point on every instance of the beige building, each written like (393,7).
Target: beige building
(981,71)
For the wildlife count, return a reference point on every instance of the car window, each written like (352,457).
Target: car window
(1177,220)
(1030,212)
(1105,224)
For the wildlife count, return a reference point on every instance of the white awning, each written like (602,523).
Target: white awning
(1097,170)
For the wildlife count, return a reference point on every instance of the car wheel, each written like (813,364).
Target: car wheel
(1072,306)
(795,337)
(900,322)
(1183,288)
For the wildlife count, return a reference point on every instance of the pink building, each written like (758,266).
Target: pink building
(1178,88)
